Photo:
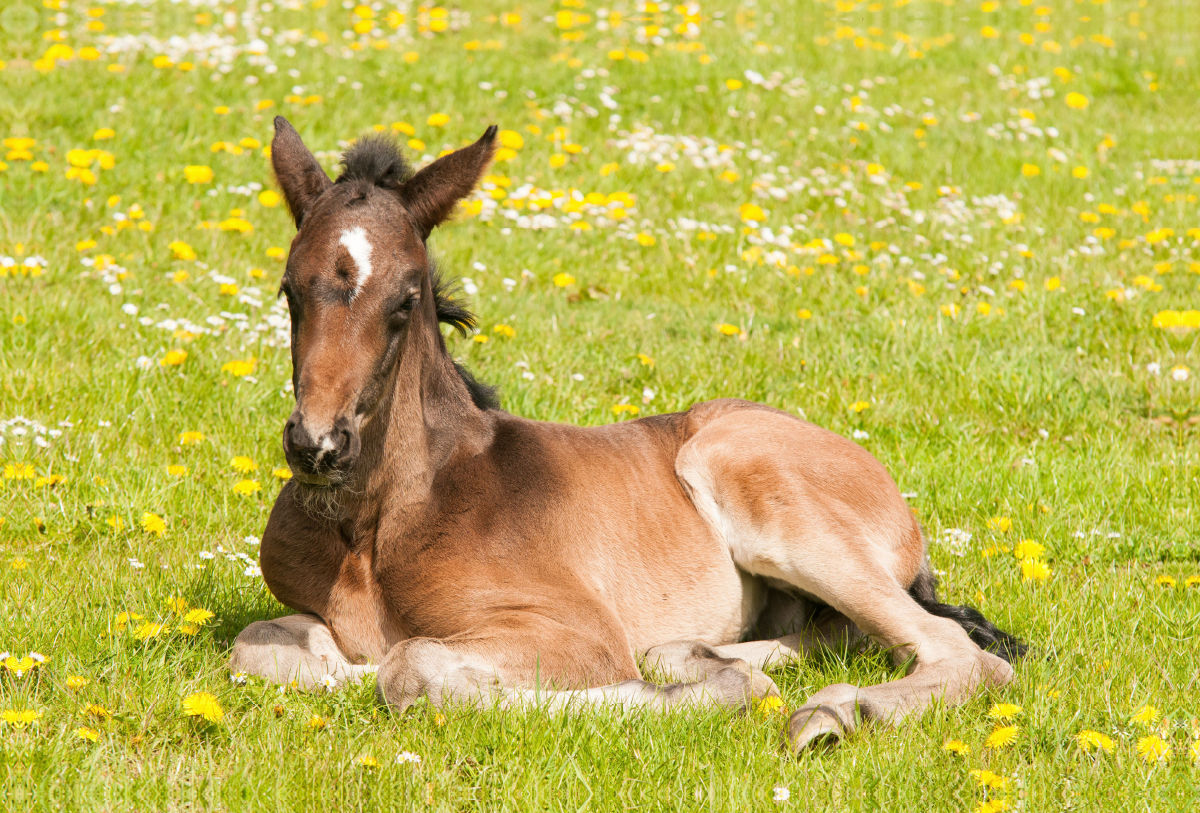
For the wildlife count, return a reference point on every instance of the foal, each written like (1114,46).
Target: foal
(474,556)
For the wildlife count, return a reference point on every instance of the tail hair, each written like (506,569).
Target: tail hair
(986,635)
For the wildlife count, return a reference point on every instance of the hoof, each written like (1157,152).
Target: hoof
(814,726)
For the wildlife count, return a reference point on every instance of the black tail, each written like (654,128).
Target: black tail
(984,633)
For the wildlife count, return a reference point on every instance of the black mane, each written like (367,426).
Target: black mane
(454,313)
(377,160)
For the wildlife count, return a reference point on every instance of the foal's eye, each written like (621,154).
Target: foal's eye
(402,311)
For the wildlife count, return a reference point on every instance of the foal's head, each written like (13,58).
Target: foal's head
(359,284)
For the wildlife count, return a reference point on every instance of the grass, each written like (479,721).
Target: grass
(1017,389)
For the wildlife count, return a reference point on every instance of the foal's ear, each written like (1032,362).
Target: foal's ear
(297,171)
(430,195)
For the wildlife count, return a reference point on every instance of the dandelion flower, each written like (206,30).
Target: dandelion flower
(1154,749)
(177,604)
(1145,715)
(85,733)
(1076,101)
(316,722)
(97,711)
(993,806)
(1028,549)
(203,704)
(957,747)
(563,279)
(769,705)
(243,464)
(367,761)
(198,174)
(1004,711)
(269,198)
(1002,736)
(988,779)
(246,487)
(859,407)
(283,473)
(148,630)
(19,718)
(190,438)
(76,682)
(239,367)
(1165,581)
(173,358)
(198,616)
(177,471)
(153,524)
(1033,570)
(728,329)
(1093,740)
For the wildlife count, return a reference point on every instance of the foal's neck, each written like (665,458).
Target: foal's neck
(425,419)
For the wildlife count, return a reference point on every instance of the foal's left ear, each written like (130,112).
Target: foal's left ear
(430,195)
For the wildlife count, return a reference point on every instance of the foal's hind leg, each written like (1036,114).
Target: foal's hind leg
(799,505)
(294,648)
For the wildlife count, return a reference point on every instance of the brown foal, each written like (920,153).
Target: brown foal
(470,555)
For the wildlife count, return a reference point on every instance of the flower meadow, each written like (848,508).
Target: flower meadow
(965,234)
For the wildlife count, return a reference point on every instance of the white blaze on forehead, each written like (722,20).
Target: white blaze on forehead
(355,241)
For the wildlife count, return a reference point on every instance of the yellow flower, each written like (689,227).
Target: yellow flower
(1034,570)
(1154,749)
(198,616)
(993,806)
(177,471)
(122,619)
(367,761)
(276,253)
(437,120)
(804,313)
(269,198)
(563,279)
(1093,740)
(19,563)
(1002,736)
(1145,715)
(20,666)
(177,604)
(1028,549)
(182,250)
(988,779)
(284,474)
(1053,284)
(728,329)
(1030,170)
(316,722)
(623,408)
(239,367)
(645,360)
(173,358)
(243,464)
(85,733)
(957,747)
(246,487)
(733,84)
(203,704)
(104,133)
(198,174)
(153,524)
(148,630)
(96,710)
(860,407)
(20,718)
(76,682)
(189,438)
(645,239)
(511,139)
(237,224)
(750,211)
(1076,101)
(1004,711)
(1165,581)
(504,330)
(769,705)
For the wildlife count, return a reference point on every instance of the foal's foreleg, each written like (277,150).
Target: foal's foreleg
(296,648)
(453,671)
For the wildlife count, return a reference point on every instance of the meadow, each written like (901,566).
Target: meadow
(965,234)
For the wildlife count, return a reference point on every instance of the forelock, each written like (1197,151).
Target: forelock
(376,160)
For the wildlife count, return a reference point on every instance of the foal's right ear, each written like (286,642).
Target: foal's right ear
(297,171)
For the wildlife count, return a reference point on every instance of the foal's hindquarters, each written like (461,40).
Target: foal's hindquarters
(766,505)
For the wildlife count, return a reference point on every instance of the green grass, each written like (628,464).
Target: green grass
(1032,412)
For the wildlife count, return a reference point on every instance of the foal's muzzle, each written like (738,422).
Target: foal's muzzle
(320,457)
